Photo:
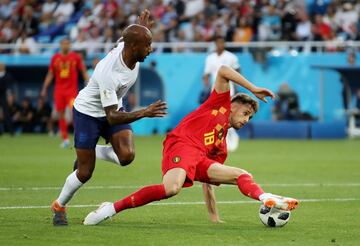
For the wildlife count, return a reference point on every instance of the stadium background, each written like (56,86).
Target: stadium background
(323,174)
(183,31)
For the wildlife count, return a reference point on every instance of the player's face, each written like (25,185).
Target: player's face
(220,45)
(65,45)
(240,114)
(143,48)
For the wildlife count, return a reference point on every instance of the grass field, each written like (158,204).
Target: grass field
(324,175)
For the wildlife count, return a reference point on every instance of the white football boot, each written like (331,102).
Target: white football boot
(105,211)
(284,203)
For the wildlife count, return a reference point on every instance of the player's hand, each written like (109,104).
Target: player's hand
(43,93)
(156,109)
(262,93)
(144,19)
(216,219)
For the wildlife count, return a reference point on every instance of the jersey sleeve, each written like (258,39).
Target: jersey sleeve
(235,63)
(207,69)
(107,92)
(216,100)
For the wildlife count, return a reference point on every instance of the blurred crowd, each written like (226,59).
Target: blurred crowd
(26,117)
(26,22)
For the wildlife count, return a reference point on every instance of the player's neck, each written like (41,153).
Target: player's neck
(219,52)
(128,59)
(64,53)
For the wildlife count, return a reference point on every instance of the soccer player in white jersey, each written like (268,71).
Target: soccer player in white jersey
(212,64)
(98,112)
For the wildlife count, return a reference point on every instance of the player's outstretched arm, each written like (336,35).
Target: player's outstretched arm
(210,201)
(226,74)
(49,77)
(114,117)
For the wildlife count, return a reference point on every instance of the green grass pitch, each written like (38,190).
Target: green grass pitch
(324,175)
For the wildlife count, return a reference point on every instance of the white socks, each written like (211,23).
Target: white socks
(106,153)
(72,184)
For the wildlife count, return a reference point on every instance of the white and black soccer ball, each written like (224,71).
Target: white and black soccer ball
(273,217)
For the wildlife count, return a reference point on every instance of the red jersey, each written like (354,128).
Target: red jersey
(65,68)
(206,127)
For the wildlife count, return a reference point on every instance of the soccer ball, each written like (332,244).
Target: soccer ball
(273,217)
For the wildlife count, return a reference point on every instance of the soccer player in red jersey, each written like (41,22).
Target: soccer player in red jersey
(64,66)
(196,150)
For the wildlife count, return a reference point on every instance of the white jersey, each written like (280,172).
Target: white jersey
(214,61)
(108,84)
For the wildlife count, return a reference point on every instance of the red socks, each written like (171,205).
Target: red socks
(63,128)
(248,187)
(141,197)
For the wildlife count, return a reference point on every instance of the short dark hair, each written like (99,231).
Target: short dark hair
(219,37)
(246,99)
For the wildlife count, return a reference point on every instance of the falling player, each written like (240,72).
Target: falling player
(196,150)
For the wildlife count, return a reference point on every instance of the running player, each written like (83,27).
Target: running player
(64,66)
(196,150)
(98,112)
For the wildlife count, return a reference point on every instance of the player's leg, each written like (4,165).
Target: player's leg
(86,165)
(63,129)
(86,136)
(60,105)
(122,143)
(172,183)
(222,174)
(122,150)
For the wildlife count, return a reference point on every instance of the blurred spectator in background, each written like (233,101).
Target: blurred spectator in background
(270,25)
(351,58)
(346,16)
(109,39)
(64,11)
(94,41)
(48,7)
(25,44)
(24,117)
(6,81)
(191,21)
(212,64)
(13,109)
(7,8)
(64,66)
(286,106)
(346,93)
(42,116)
(303,28)
(244,32)
(357,105)
(94,62)
(27,22)
(80,45)
(320,30)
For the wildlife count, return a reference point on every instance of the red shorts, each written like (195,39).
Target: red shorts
(191,159)
(64,100)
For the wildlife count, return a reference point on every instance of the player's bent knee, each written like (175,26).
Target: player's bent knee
(238,172)
(84,175)
(126,157)
(172,190)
